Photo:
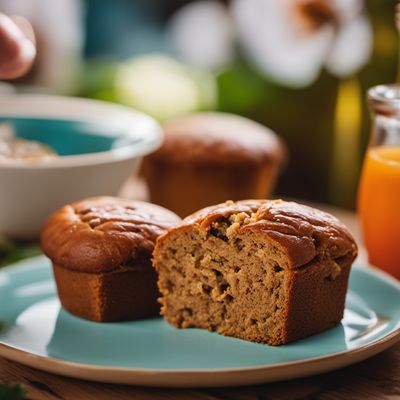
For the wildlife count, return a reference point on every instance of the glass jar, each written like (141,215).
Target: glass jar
(379,191)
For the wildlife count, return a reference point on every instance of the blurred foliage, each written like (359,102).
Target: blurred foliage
(12,392)
(164,87)
(241,89)
(303,118)
(97,80)
(11,251)
(152,83)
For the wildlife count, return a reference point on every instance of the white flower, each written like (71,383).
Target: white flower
(290,40)
(202,34)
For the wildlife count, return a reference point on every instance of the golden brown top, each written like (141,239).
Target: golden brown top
(302,232)
(218,138)
(103,233)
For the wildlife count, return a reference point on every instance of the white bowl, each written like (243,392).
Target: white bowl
(31,191)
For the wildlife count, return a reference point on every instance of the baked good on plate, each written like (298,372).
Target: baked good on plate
(209,157)
(101,253)
(259,270)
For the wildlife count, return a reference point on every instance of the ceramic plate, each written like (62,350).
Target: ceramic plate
(35,331)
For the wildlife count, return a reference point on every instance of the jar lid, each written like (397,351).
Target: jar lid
(385,100)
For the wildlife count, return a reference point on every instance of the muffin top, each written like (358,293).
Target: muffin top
(218,138)
(303,232)
(102,234)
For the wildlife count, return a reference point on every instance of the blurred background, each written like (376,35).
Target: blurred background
(172,57)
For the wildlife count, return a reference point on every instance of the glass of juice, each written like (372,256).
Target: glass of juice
(379,191)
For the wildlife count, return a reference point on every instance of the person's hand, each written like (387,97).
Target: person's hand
(17,47)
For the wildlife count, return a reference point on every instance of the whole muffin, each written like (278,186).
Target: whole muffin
(101,251)
(265,271)
(207,158)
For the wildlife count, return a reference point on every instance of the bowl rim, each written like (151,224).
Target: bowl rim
(137,124)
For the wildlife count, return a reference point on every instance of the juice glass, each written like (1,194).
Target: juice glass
(379,191)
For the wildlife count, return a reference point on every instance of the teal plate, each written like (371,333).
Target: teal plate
(35,331)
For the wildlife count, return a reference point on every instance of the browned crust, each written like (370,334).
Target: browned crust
(316,303)
(123,294)
(101,234)
(301,232)
(218,139)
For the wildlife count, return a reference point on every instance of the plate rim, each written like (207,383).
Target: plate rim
(162,377)
(199,377)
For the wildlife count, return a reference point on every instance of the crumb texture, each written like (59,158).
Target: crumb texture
(240,269)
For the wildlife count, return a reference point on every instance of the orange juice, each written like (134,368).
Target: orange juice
(379,207)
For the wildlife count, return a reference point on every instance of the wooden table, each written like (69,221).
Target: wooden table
(376,378)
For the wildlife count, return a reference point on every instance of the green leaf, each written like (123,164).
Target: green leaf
(241,89)
(3,325)
(12,392)
(11,251)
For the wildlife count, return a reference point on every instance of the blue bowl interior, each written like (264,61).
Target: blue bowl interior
(71,137)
